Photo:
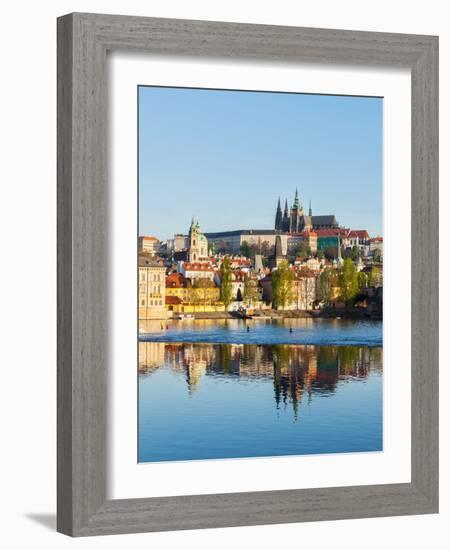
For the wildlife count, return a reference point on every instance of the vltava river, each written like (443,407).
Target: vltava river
(265,394)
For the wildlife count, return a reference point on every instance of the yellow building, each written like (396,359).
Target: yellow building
(152,289)
(188,298)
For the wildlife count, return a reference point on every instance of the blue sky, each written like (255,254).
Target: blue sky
(226,156)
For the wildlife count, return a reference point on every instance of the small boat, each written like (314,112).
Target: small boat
(241,313)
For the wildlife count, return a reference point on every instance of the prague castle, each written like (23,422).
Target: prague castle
(292,225)
(294,220)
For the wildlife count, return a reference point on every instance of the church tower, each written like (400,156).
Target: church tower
(285,225)
(296,218)
(198,244)
(279,216)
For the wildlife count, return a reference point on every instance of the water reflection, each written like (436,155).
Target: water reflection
(297,372)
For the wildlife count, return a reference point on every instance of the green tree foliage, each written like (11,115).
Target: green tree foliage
(245,249)
(282,285)
(226,290)
(362,280)
(376,256)
(200,292)
(327,280)
(203,282)
(302,250)
(355,253)
(251,293)
(261,247)
(375,276)
(266,248)
(348,281)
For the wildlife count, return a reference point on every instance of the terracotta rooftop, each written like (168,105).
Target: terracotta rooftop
(338,231)
(360,233)
(173,300)
(197,266)
(304,271)
(237,275)
(177,280)
(148,237)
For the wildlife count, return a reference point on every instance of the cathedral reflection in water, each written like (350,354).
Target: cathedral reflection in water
(298,372)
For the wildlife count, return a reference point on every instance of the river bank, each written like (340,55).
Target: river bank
(355,313)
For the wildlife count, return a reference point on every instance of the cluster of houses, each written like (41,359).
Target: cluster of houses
(186,281)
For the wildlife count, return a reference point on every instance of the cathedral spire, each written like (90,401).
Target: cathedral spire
(296,200)
(310,209)
(286,209)
(278,216)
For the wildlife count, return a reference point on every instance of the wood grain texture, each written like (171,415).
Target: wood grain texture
(83,199)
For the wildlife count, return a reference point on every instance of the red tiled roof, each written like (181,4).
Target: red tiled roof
(360,233)
(148,238)
(173,300)
(197,266)
(338,231)
(377,239)
(238,275)
(304,272)
(241,261)
(176,280)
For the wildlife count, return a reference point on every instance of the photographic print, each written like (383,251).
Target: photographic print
(260,274)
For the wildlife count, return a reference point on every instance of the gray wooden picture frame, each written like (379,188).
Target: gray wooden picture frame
(83,41)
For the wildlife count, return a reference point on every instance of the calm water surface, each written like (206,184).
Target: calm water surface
(234,331)
(215,399)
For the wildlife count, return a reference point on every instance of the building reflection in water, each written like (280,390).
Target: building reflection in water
(298,372)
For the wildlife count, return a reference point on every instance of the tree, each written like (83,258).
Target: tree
(245,249)
(196,296)
(282,285)
(203,282)
(302,250)
(320,254)
(223,246)
(266,249)
(376,256)
(375,277)
(238,295)
(202,291)
(330,252)
(362,280)
(348,281)
(250,289)
(356,253)
(226,289)
(327,280)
